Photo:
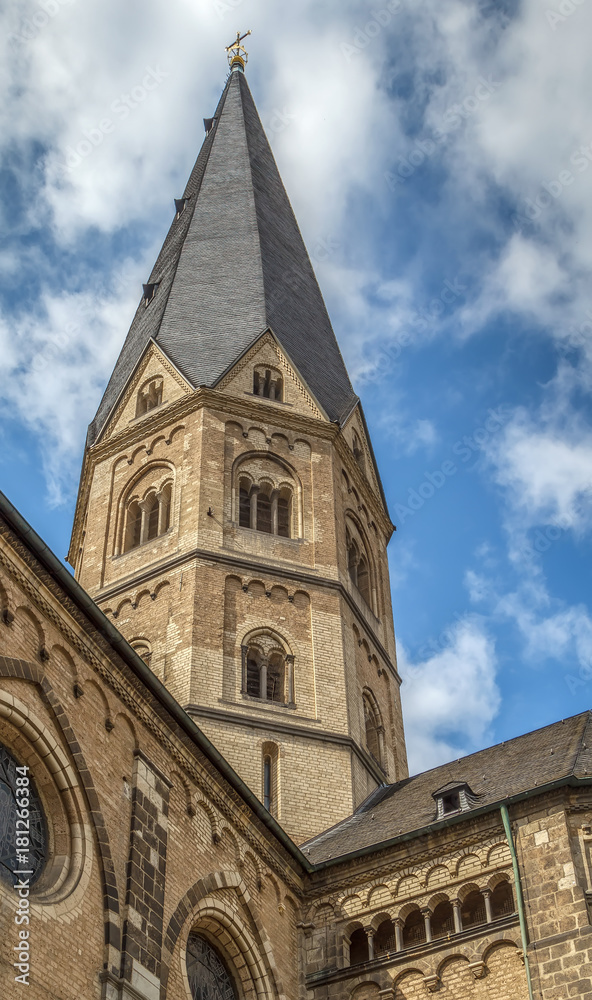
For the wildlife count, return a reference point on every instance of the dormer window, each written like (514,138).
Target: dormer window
(149,291)
(451,803)
(268,383)
(455,797)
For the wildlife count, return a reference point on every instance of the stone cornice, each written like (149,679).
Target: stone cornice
(266,569)
(250,408)
(291,729)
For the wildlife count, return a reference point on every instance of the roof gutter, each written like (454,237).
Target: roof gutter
(62,576)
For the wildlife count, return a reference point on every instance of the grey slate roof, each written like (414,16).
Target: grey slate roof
(233,265)
(548,755)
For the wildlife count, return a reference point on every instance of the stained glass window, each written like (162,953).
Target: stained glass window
(23,848)
(207,974)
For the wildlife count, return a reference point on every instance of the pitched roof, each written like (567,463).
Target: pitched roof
(529,762)
(233,265)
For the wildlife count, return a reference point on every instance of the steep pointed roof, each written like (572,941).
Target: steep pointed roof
(233,265)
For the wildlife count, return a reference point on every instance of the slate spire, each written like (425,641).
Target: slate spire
(233,265)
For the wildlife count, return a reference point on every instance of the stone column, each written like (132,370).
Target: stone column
(263,679)
(398,934)
(487,898)
(427,916)
(290,679)
(274,511)
(145,508)
(370,936)
(457,916)
(253,500)
(161,497)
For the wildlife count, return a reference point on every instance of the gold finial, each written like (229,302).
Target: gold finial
(237,53)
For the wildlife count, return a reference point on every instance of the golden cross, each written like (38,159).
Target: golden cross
(236,51)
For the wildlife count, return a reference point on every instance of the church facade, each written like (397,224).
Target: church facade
(204,790)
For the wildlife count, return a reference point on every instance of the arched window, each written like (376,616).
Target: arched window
(358,562)
(414,929)
(133,527)
(473,909)
(268,383)
(264,508)
(149,396)
(208,976)
(358,451)
(267,670)
(17,792)
(244,516)
(502,900)
(151,503)
(270,780)
(385,939)
(148,518)
(263,500)
(442,921)
(266,495)
(373,729)
(358,947)
(364,579)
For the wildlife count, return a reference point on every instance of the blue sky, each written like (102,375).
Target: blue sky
(438,157)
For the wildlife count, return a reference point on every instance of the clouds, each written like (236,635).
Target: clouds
(451,698)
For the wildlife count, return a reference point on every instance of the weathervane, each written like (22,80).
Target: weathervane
(237,53)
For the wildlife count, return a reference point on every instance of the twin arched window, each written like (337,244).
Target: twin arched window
(147,518)
(267,669)
(358,563)
(268,383)
(358,451)
(373,729)
(149,396)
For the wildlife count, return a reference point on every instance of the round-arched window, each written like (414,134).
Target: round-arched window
(207,974)
(23,832)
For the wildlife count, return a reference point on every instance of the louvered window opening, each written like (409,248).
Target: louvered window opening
(269,514)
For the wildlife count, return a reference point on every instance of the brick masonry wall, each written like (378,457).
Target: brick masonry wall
(107,917)
(191,595)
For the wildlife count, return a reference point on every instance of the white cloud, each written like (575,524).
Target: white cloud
(451,698)
(545,468)
(55,365)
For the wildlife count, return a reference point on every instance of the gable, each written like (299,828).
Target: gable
(266,355)
(154,372)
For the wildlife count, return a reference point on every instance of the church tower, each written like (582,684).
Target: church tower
(230,518)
